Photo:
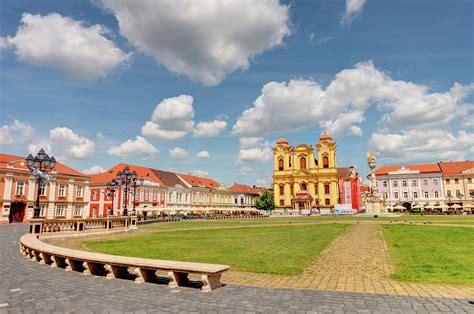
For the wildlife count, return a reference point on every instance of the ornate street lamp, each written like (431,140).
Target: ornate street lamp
(125,177)
(39,166)
(134,180)
(112,187)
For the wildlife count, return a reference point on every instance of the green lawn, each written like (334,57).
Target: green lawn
(294,220)
(277,250)
(431,254)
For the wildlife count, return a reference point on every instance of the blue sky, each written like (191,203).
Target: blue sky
(379,75)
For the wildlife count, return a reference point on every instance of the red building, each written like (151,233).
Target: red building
(66,195)
(152,195)
(349,188)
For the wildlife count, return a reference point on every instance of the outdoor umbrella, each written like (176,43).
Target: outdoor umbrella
(400,207)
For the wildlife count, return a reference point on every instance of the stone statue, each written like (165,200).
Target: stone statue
(371,160)
(372,202)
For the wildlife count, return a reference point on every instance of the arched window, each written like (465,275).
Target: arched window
(325,162)
(280,164)
(302,163)
(303,186)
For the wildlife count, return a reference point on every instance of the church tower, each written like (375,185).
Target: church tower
(327,171)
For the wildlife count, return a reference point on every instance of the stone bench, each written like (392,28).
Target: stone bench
(112,266)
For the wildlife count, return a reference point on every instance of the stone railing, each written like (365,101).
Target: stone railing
(50,226)
(220,217)
(111,266)
(159,220)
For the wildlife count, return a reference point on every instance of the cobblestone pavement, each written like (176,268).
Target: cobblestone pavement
(357,262)
(28,287)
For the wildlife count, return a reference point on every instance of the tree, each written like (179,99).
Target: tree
(265,201)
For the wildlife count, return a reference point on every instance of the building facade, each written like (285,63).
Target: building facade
(244,195)
(206,192)
(411,185)
(305,178)
(458,179)
(151,195)
(66,195)
(349,185)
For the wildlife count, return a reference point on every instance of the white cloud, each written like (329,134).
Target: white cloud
(178,153)
(171,119)
(262,182)
(203,154)
(245,170)
(303,103)
(355,130)
(249,142)
(343,120)
(100,137)
(353,9)
(257,154)
(16,132)
(468,121)
(93,170)
(80,51)
(419,145)
(67,144)
(200,173)
(139,147)
(3,44)
(34,148)
(209,128)
(254,149)
(204,40)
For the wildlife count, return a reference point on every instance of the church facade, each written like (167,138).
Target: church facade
(305,177)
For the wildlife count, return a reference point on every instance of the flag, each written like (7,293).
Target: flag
(41,174)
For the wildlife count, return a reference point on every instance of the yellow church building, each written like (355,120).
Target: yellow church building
(304,178)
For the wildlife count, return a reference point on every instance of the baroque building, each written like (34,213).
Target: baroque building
(305,178)
(64,196)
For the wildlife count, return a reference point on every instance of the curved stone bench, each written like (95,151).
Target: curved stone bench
(120,266)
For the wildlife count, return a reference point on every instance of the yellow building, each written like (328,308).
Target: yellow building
(304,178)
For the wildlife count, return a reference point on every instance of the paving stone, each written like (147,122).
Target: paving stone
(52,290)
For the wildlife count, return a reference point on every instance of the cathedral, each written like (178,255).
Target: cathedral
(305,178)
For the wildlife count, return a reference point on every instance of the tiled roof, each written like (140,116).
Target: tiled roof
(199,181)
(456,167)
(60,168)
(242,188)
(423,168)
(344,172)
(169,178)
(142,172)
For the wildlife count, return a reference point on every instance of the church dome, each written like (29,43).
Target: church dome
(325,136)
(282,141)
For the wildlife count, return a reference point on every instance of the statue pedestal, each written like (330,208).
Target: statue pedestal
(374,206)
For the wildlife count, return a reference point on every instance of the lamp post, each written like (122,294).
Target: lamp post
(111,189)
(39,166)
(134,180)
(125,177)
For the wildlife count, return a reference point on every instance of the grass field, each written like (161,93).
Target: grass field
(285,249)
(431,254)
(185,224)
